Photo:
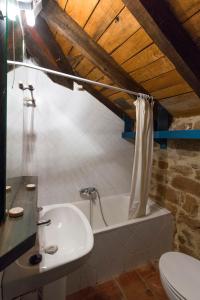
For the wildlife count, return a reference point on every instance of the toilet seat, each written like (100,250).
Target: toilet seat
(174,292)
(182,274)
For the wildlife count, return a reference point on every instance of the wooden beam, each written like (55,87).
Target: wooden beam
(101,98)
(35,44)
(159,22)
(63,23)
(184,105)
(42,46)
(53,46)
(45,60)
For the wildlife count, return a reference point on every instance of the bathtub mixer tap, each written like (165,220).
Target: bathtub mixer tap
(89,193)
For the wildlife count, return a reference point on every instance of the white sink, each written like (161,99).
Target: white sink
(70,232)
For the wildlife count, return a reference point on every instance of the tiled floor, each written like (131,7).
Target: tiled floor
(140,284)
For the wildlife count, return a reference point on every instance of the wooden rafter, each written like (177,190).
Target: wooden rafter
(101,98)
(64,24)
(170,36)
(36,39)
(43,48)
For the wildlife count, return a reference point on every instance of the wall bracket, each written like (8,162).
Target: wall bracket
(167,134)
(161,128)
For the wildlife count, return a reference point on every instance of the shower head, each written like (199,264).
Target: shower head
(28,101)
(23,87)
(30,87)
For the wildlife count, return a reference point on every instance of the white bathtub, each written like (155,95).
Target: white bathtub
(124,244)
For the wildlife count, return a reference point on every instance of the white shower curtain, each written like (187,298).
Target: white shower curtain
(143,157)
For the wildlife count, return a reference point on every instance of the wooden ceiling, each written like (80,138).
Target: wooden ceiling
(129,49)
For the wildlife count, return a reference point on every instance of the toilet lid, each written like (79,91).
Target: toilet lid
(182,272)
(172,289)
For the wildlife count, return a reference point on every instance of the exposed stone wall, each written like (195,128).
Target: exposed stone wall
(176,185)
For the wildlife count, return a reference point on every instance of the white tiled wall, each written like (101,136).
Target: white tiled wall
(77,141)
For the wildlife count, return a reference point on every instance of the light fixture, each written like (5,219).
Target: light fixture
(30,17)
(32,8)
(12,11)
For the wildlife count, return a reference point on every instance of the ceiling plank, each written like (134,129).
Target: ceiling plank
(80,10)
(174,90)
(36,52)
(183,105)
(166,31)
(35,44)
(156,68)
(84,67)
(56,51)
(95,75)
(143,58)
(42,46)
(54,16)
(184,9)
(39,56)
(101,19)
(121,29)
(163,81)
(135,44)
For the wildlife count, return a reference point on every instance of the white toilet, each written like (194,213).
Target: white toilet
(180,276)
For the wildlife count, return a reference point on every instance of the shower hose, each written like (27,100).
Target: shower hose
(101,209)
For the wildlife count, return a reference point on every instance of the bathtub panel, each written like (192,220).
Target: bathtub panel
(165,236)
(121,249)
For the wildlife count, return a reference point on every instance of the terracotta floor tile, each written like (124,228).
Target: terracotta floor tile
(133,287)
(141,284)
(154,283)
(105,291)
(146,270)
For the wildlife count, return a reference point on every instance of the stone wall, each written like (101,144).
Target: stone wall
(176,185)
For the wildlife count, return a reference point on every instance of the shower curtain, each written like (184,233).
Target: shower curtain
(143,157)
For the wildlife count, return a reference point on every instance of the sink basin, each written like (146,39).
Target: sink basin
(70,233)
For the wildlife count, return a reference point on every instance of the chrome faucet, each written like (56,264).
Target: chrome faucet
(44,222)
(89,193)
(39,209)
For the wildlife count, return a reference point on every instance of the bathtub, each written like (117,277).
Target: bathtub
(123,244)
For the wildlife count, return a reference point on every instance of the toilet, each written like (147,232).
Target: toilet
(180,276)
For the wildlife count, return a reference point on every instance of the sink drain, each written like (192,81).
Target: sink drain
(35,259)
(51,249)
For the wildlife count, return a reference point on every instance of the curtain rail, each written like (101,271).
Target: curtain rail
(17,63)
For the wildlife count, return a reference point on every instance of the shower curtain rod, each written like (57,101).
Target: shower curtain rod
(17,63)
